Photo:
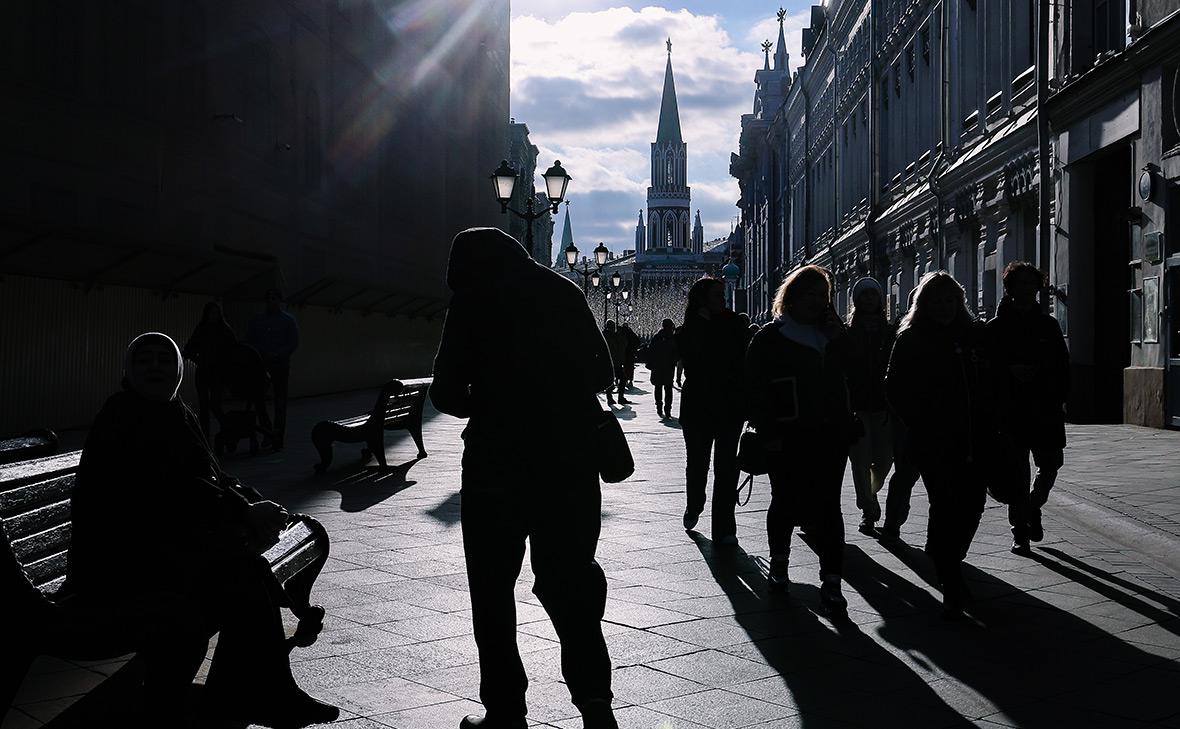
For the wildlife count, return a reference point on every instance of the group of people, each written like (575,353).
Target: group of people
(956,401)
(245,368)
(623,344)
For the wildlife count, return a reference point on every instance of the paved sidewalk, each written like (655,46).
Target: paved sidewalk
(1086,633)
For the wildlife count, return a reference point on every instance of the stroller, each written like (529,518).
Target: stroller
(245,379)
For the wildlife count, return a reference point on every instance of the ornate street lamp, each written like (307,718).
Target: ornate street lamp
(615,279)
(556,182)
(601,254)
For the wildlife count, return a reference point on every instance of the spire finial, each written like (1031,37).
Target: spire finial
(669,46)
(766,46)
(782,16)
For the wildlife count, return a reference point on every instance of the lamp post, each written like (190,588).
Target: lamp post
(556,181)
(571,259)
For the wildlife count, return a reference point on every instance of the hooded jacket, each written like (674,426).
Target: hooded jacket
(540,325)
(1029,338)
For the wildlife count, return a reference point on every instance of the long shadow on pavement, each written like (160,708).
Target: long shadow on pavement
(1094,577)
(1038,664)
(368,486)
(834,674)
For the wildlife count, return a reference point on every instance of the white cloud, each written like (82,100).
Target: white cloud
(589,84)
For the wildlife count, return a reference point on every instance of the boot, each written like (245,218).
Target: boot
(1020,544)
(829,595)
(779,579)
(597,714)
(474,721)
(1036,531)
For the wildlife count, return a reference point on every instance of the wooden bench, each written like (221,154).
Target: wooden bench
(398,407)
(35,523)
(33,444)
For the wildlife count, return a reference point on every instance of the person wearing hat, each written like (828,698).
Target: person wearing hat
(870,340)
(162,536)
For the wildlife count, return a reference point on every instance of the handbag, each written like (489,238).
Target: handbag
(615,462)
(751,456)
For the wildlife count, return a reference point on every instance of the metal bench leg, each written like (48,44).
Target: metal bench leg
(415,428)
(376,445)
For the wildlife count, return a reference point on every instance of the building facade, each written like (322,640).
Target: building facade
(909,141)
(522,155)
(160,155)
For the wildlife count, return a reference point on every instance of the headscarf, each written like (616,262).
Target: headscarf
(863,284)
(158,339)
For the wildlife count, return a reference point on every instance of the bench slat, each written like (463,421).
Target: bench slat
(291,538)
(37,520)
(47,569)
(296,561)
(38,493)
(43,544)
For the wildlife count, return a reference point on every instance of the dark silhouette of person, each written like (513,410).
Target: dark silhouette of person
(712,345)
(905,472)
(275,335)
(870,340)
(1030,368)
(629,354)
(936,384)
(516,484)
(206,348)
(798,399)
(661,361)
(156,519)
(616,343)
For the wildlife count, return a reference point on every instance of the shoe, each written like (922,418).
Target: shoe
(690,521)
(868,528)
(1036,531)
(1021,547)
(728,540)
(597,714)
(474,721)
(779,578)
(889,534)
(830,596)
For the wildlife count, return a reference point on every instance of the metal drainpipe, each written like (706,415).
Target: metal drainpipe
(874,140)
(1045,190)
(806,167)
(835,140)
(944,133)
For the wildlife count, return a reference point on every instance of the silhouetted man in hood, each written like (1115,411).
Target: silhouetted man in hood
(516,483)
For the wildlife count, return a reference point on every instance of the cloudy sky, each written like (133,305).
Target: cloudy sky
(587,77)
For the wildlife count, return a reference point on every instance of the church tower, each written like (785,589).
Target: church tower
(668,217)
(640,231)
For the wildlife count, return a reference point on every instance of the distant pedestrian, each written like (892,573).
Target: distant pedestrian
(870,340)
(1030,366)
(661,360)
(795,373)
(275,335)
(936,385)
(616,342)
(518,483)
(630,354)
(711,343)
(207,347)
(160,529)
(905,472)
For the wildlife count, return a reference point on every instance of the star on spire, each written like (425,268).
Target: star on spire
(669,46)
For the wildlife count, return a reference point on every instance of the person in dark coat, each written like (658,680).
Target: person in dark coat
(616,344)
(870,340)
(661,360)
(1030,367)
(206,348)
(275,335)
(516,484)
(798,398)
(155,520)
(711,343)
(905,472)
(936,385)
(629,354)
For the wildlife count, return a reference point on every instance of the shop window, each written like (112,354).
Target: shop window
(1135,297)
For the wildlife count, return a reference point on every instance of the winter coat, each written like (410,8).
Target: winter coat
(149,496)
(868,360)
(662,356)
(792,388)
(937,385)
(551,336)
(1032,410)
(713,352)
(208,346)
(616,343)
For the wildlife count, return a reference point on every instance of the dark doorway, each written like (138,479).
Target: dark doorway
(1112,281)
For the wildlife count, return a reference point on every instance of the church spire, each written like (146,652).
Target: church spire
(669,129)
(780,52)
(567,233)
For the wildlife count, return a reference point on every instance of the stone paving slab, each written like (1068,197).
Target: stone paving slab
(1086,633)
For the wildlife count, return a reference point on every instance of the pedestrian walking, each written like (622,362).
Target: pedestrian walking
(905,471)
(935,383)
(661,361)
(711,343)
(516,483)
(158,527)
(870,340)
(1030,368)
(275,335)
(616,342)
(630,353)
(206,348)
(798,397)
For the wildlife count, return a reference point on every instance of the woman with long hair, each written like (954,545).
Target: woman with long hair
(798,399)
(870,340)
(711,343)
(935,385)
(207,348)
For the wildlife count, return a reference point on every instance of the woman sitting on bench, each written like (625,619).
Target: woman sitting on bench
(157,523)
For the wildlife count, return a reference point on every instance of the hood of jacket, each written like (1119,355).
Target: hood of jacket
(481,257)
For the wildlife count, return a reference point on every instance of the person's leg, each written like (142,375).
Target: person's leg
(830,463)
(1016,452)
(882,450)
(780,523)
(281,375)
(860,454)
(940,530)
(493,547)
(901,483)
(725,479)
(564,526)
(1048,461)
(659,399)
(698,441)
(668,400)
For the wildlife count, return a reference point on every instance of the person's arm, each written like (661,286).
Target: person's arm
(899,380)
(1060,361)
(450,392)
